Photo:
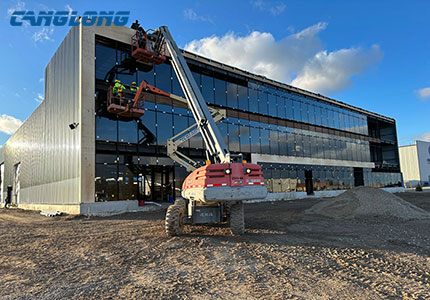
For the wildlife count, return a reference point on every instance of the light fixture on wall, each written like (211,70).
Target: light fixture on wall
(74,125)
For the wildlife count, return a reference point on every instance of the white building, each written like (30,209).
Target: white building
(415,163)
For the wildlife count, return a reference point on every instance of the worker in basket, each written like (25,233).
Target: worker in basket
(118,88)
(134,88)
(141,38)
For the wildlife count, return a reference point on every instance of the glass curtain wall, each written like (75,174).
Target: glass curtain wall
(125,148)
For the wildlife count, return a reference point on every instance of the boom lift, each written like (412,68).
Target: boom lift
(212,193)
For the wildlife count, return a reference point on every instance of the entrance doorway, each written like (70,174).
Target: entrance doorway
(358,177)
(309,182)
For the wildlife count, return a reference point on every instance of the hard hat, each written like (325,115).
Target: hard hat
(133,82)
(116,80)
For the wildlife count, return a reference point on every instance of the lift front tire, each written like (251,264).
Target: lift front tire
(174,222)
(237,219)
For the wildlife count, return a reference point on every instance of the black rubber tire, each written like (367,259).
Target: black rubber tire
(174,220)
(237,218)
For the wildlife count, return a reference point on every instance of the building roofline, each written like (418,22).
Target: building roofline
(247,74)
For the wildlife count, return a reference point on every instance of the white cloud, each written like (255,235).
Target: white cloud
(9,124)
(275,10)
(190,14)
(39,98)
(424,93)
(45,34)
(329,72)
(41,79)
(298,58)
(278,9)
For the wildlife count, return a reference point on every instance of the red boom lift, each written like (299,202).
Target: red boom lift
(212,193)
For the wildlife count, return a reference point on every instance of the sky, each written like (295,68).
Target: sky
(370,54)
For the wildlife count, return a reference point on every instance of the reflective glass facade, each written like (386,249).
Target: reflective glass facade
(261,118)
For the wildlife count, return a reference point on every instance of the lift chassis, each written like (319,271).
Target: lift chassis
(213,193)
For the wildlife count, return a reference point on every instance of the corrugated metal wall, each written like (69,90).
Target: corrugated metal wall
(409,163)
(423,151)
(46,148)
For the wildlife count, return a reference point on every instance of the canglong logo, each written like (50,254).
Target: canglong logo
(66,18)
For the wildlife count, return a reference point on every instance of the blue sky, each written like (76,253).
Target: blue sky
(371,54)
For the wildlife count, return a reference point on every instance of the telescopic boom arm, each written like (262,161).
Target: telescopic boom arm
(211,135)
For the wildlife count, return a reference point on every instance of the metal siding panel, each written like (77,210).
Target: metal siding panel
(47,149)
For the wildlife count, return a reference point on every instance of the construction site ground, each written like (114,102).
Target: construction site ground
(285,254)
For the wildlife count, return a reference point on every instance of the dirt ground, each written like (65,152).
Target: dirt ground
(284,254)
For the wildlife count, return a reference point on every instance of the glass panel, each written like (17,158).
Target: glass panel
(280,102)
(127,132)
(265,142)
(232,95)
(297,111)
(289,108)
(291,145)
(336,119)
(208,88)
(324,117)
(125,78)
(176,86)
(106,129)
(223,128)
(106,182)
(106,158)
(180,123)
(243,97)
(330,118)
(245,145)
(128,184)
(273,108)
(220,92)
(255,140)
(147,76)
(163,77)
(299,145)
(306,146)
(283,142)
(311,114)
(304,112)
(318,120)
(147,129)
(164,127)
(105,60)
(233,136)
(274,142)
(198,79)
(253,101)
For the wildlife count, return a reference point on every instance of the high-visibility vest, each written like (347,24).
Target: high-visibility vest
(118,87)
(134,89)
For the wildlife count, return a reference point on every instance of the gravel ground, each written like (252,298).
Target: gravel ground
(285,254)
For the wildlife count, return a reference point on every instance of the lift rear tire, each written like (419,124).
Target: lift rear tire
(174,222)
(237,219)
